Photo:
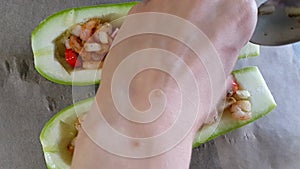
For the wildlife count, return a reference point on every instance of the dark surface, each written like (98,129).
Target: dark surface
(27,101)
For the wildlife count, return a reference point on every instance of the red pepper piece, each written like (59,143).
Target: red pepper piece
(235,86)
(71,58)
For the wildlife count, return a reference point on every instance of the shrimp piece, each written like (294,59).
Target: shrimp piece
(228,102)
(244,105)
(241,115)
(88,29)
(75,44)
(241,110)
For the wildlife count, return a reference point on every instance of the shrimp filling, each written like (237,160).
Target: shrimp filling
(77,125)
(238,103)
(85,46)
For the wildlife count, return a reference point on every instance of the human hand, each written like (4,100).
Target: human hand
(227,24)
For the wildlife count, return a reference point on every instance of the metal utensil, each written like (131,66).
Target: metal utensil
(278,23)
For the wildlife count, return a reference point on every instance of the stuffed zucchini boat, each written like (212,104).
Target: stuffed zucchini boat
(249,100)
(75,42)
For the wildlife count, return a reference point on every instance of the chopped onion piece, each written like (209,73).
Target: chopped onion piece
(103,37)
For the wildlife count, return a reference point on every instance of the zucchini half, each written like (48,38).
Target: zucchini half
(44,37)
(60,130)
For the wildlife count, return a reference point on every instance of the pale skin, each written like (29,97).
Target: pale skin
(228,24)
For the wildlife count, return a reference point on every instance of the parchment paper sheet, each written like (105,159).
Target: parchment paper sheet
(27,101)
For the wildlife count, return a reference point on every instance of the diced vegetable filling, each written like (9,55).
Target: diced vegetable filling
(238,103)
(77,124)
(88,44)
